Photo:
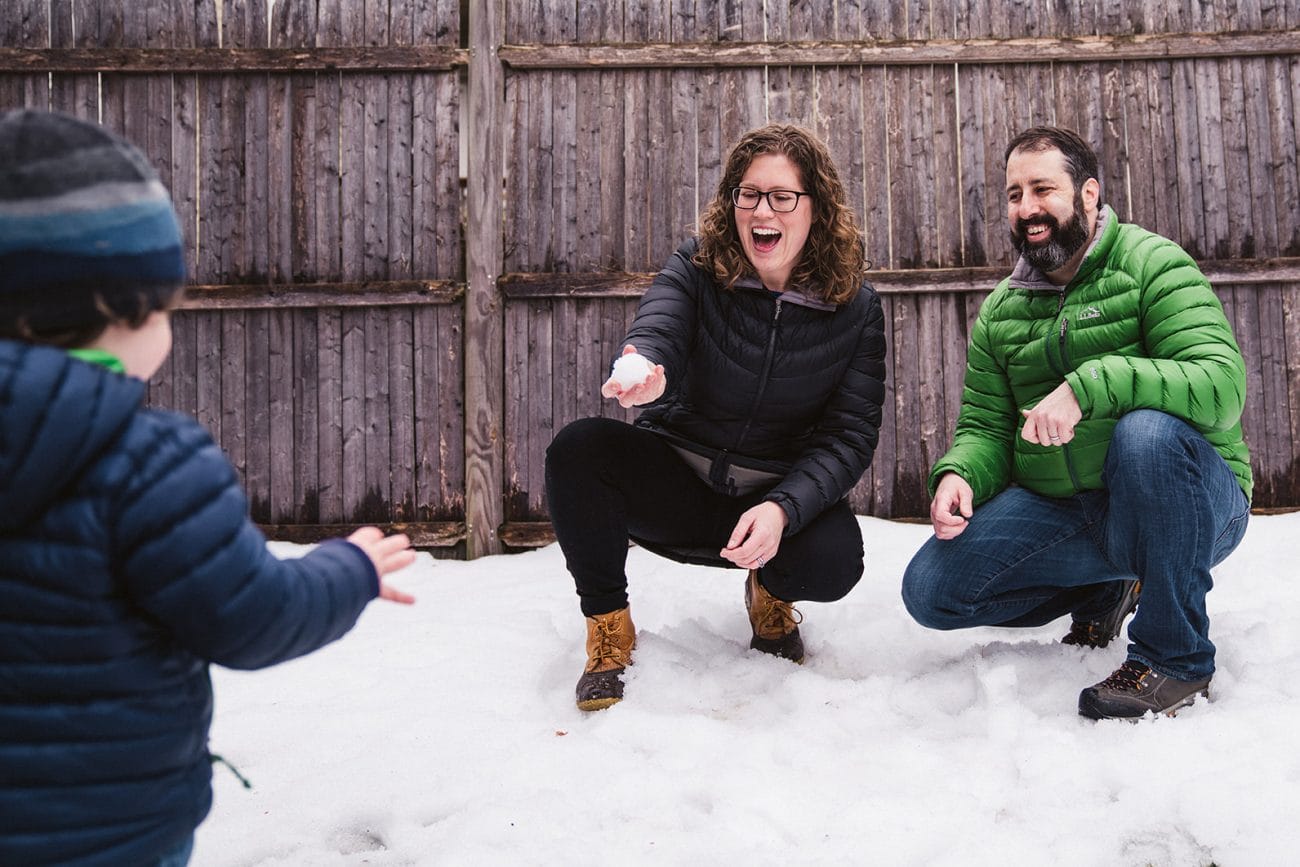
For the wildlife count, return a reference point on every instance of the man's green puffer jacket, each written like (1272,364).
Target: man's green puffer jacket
(1137,328)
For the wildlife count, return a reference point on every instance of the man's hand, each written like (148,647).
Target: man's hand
(388,553)
(951,506)
(650,390)
(1052,422)
(757,536)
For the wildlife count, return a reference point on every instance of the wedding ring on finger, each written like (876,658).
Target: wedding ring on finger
(762,562)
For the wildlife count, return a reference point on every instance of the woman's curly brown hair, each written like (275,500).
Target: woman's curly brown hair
(832,263)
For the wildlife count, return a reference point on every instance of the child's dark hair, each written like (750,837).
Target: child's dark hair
(88,234)
(78,321)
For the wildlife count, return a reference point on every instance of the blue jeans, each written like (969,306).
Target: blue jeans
(1170,511)
(180,856)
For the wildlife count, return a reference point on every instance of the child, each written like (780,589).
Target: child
(127,559)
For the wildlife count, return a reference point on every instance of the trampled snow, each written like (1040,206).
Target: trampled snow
(446,733)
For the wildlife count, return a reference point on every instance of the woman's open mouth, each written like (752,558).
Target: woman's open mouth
(765,240)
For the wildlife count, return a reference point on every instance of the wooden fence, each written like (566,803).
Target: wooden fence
(371,342)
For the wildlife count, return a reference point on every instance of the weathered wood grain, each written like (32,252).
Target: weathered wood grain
(894,51)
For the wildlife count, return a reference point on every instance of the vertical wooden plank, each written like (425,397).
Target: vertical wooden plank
(358,141)
(946,169)
(398,326)
(208,371)
(885,465)
(661,170)
(683,167)
(876,219)
(77,95)
(353,382)
(515,426)
(1213,176)
(329,401)
(1109,139)
(1291,348)
(585,150)
(185,358)
(483,326)
(1267,173)
(613,182)
(564,173)
(910,121)
(1283,122)
(540,419)
(1165,167)
(541,190)
(281,414)
(326,180)
(1242,311)
(518,144)
(1142,172)
(636,180)
(589,364)
(257,411)
(709,147)
(401,407)
(1191,207)
(977,197)
(185,171)
(377,411)
(306,418)
(776,21)
(233,404)
(1279,444)
(708,21)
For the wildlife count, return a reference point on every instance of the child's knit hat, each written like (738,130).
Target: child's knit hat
(81,212)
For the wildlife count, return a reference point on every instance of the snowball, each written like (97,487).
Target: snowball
(632,370)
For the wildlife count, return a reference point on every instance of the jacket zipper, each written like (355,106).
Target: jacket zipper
(1065,365)
(718,475)
(762,378)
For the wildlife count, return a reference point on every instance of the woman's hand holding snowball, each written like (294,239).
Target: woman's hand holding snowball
(635,381)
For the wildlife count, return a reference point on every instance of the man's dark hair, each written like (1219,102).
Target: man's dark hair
(1080,160)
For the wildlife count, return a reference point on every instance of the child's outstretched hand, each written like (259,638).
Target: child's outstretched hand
(388,553)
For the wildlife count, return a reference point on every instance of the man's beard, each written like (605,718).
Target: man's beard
(1066,239)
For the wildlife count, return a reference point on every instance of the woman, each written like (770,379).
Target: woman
(767,367)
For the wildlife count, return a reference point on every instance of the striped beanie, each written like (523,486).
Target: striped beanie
(82,214)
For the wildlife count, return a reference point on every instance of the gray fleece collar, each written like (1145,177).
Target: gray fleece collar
(789,296)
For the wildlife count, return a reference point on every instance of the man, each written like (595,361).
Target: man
(1098,454)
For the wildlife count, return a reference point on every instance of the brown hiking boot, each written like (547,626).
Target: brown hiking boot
(1134,688)
(610,638)
(775,622)
(1099,631)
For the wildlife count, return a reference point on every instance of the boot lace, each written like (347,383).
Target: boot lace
(1128,677)
(776,616)
(607,649)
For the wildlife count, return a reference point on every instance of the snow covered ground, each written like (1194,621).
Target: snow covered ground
(445,733)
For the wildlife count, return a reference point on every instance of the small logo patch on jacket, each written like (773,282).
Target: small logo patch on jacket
(1090,312)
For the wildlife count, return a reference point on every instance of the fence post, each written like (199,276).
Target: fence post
(484,326)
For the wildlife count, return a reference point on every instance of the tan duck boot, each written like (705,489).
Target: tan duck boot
(610,638)
(774,621)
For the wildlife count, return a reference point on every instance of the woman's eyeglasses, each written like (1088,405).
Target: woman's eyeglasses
(781,201)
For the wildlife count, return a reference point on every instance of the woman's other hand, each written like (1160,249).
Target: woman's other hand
(648,391)
(757,536)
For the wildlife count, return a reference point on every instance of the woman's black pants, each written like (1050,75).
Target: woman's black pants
(608,482)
